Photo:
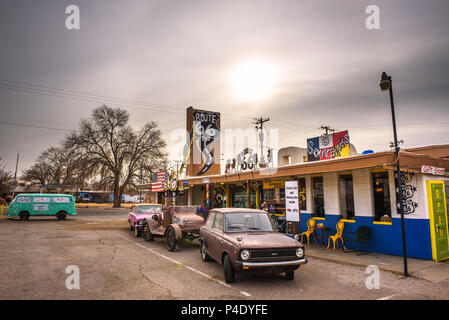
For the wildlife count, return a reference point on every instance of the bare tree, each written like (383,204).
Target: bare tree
(58,165)
(115,152)
(5,178)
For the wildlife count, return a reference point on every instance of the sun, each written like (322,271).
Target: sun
(253,80)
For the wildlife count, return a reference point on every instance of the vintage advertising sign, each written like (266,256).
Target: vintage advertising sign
(273,184)
(204,142)
(331,146)
(433,170)
(291,201)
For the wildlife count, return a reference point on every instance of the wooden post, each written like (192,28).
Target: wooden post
(248,194)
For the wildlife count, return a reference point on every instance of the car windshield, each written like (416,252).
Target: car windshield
(248,221)
(149,209)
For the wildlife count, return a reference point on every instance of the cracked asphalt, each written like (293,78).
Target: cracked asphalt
(114,264)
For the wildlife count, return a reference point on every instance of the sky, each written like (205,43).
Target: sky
(156,58)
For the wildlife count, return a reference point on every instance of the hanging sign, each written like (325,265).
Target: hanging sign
(433,170)
(291,201)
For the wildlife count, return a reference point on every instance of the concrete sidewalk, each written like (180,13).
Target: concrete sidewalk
(419,268)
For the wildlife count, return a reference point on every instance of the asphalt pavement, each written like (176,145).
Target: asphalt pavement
(36,257)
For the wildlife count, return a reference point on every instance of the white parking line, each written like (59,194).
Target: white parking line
(387,298)
(246,294)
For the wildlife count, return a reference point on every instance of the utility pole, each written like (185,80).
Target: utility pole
(259,125)
(327,128)
(15,176)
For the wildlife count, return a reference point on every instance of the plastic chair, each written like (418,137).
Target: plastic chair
(311,224)
(340,226)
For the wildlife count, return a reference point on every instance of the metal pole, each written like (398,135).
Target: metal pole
(398,169)
(15,176)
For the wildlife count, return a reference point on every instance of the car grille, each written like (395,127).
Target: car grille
(272,254)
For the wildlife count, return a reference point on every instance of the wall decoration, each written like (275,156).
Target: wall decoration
(247,160)
(331,146)
(409,188)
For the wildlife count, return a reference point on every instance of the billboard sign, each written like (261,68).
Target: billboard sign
(331,146)
(204,142)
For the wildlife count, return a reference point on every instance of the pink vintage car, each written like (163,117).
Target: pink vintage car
(138,213)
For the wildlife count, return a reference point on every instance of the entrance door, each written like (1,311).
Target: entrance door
(438,220)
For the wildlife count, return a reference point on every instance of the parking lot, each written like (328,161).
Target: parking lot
(114,264)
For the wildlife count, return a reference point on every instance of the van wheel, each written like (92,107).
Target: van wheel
(61,215)
(290,275)
(229,272)
(24,216)
(172,243)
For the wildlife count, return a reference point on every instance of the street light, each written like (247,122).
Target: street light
(386,84)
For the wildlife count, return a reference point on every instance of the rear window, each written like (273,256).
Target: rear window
(61,199)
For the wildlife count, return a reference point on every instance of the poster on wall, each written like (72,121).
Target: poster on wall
(331,146)
(204,142)
(291,201)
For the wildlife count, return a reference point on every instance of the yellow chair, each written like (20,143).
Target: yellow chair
(340,226)
(311,224)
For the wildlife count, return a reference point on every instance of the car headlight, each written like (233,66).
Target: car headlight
(140,222)
(300,252)
(244,254)
(296,237)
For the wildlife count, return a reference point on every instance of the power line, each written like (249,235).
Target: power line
(32,126)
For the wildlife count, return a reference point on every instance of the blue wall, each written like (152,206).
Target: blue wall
(383,239)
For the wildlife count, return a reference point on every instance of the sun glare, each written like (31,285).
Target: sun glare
(253,80)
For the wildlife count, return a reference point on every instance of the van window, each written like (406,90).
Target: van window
(61,199)
(41,199)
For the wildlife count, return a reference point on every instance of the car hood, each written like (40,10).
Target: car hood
(259,240)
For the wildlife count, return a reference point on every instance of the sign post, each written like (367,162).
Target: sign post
(292,203)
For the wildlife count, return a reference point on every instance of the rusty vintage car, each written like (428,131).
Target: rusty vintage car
(245,240)
(175,223)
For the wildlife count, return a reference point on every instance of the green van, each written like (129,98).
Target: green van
(39,204)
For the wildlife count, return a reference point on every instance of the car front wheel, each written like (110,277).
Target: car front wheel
(229,272)
(137,233)
(172,243)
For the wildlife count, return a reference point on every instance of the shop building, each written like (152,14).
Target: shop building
(360,189)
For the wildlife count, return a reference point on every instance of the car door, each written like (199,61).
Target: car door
(216,238)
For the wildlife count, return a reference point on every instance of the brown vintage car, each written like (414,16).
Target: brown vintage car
(175,223)
(245,240)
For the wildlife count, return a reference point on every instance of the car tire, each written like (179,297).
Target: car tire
(24,216)
(61,215)
(290,275)
(131,228)
(146,234)
(204,255)
(229,272)
(137,233)
(170,236)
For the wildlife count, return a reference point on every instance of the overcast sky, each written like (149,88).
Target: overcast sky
(168,55)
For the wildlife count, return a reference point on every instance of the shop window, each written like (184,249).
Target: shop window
(318,197)
(302,194)
(346,196)
(381,192)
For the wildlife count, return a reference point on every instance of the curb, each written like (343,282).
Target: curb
(350,263)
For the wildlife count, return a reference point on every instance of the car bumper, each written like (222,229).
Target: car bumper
(270,266)
(297,262)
